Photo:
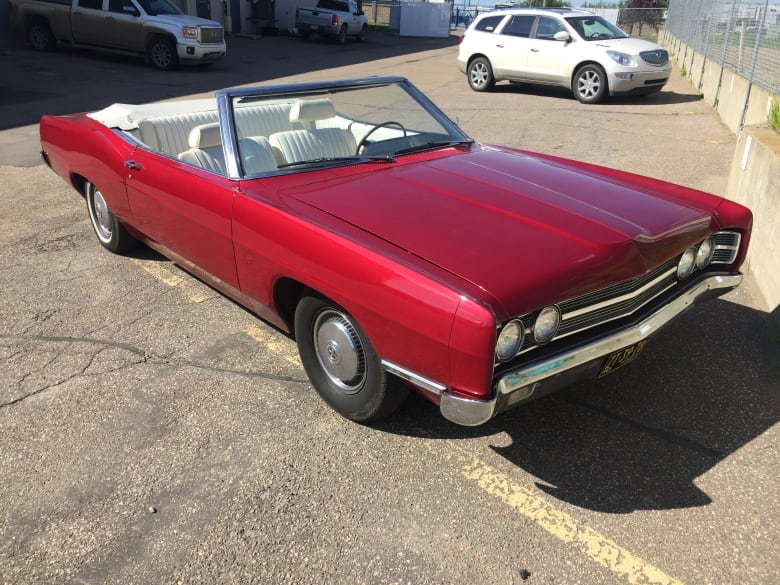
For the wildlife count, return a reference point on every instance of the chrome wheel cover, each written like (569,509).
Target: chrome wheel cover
(589,84)
(478,75)
(339,350)
(101,216)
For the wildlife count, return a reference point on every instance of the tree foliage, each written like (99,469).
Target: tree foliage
(641,13)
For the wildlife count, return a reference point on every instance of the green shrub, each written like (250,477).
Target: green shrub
(774,116)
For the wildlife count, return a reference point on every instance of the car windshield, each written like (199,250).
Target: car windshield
(337,124)
(156,7)
(595,28)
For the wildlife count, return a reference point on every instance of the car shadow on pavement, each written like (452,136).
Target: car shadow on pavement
(663,97)
(639,438)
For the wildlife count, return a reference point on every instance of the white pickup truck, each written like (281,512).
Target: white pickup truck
(333,18)
(153,28)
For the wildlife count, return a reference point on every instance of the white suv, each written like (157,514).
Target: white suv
(570,48)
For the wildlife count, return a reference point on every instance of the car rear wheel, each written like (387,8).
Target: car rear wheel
(341,38)
(590,84)
(110,233)
(480,74)
(39,35)
(162,54)
(341,363)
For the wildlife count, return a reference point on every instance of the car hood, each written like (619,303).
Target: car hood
(628,45)
(526,230)
(184,20)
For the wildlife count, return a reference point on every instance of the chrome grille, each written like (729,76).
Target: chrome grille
(657,58)
(726,247)
(211,34)
(624,299)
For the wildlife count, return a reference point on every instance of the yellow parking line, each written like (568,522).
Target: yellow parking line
(595,545)
(186,286)
(275,343)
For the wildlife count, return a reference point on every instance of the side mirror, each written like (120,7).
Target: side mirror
(562,35)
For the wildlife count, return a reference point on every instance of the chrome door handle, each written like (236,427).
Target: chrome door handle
(133,166)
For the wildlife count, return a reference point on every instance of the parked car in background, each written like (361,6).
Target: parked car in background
(337,19)
(356,216)
(569,48)
(153,28)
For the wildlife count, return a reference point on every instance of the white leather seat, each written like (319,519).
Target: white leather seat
(318,139)
(205,148)
(256,155)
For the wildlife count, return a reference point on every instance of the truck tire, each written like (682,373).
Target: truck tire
(341,38)
(39,35)
(161,53)
(361,37)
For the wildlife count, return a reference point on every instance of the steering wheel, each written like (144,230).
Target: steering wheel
(364,140)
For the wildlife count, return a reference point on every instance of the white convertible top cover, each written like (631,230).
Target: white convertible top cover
(127,116)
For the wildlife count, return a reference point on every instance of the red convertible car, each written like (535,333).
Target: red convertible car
(397,251)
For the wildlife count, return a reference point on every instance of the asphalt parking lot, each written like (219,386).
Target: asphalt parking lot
(152,431)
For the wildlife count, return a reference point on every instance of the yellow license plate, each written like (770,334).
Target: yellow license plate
(622,357)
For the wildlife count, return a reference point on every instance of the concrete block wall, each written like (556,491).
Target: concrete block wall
(754,178)
(754,181)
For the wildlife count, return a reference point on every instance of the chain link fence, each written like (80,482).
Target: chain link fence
(743,36)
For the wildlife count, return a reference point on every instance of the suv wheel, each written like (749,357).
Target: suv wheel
(480,74)
(589,84)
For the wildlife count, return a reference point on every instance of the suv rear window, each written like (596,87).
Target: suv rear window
(519,26)
(489,23)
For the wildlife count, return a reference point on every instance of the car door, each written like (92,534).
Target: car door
(354,23)
(186,209)
(550,61)
(123,26)
(86,20)
(508,51)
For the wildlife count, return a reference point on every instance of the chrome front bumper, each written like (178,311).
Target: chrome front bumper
(580,363)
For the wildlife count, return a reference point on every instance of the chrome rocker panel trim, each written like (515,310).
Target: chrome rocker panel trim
(475,412)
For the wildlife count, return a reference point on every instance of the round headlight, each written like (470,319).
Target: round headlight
(546,324)
(510,340)
(704,253)
(686,264)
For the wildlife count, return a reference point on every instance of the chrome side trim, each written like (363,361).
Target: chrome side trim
(416,379)
(562,362)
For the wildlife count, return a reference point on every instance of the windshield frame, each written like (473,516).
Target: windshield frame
(228,98)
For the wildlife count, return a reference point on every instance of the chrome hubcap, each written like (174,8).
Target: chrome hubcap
(339,350)
(101,216)
(479,75)
(589,84)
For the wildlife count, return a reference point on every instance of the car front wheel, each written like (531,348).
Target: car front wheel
(162,54)
(341,363)
(589,84)
(480,74)
(110,233)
